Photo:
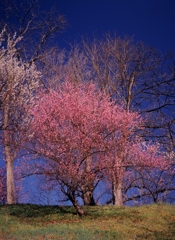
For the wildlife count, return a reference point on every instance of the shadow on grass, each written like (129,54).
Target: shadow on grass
(95,212)
(32,210)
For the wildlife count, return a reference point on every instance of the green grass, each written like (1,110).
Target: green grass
(23,222)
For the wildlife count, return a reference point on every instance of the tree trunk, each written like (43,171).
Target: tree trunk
(8,156)
(88,198)
(10,182)
(72,198)
(89,185)
(79,210)
(117,192)
(117,180)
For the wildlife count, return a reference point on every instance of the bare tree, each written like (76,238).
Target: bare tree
(36,27)
(140,78)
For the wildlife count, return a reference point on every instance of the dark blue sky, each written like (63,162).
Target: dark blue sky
(152,21)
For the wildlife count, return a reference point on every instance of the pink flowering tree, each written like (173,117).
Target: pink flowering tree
(85,136)
(137,165)
(150,183)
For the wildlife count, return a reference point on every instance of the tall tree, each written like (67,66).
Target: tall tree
(142,79)
(20,79)
(139,77)
(19,82)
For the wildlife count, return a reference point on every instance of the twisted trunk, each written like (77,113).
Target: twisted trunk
(72,198)
(79,210)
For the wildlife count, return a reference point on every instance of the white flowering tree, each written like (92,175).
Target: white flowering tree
(19,82)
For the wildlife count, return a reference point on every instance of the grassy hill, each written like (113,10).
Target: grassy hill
(22,222)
